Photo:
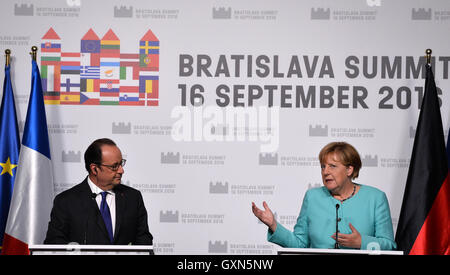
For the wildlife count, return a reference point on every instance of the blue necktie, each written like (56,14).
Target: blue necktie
(104,210)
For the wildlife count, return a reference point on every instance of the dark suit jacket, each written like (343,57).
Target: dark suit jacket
(75,217)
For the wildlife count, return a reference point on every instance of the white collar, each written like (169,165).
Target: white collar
(95,189)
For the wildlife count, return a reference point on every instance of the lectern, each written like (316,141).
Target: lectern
(76,249)
(319,251)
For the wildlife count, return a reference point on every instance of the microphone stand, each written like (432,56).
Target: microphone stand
(89,210)
(336,245)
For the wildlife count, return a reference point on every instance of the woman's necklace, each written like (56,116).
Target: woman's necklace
(353,193)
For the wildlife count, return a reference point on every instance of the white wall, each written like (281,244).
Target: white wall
(365,50)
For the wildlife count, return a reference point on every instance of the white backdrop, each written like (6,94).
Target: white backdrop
(296,75)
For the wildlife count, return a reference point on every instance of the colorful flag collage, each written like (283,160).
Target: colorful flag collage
(100,74)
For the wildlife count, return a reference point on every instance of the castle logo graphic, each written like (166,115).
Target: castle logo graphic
(100,74)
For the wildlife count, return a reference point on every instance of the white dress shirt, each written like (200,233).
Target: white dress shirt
(110,200)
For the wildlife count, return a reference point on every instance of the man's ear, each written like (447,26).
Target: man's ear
(93,169)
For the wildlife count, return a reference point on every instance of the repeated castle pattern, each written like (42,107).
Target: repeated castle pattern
(100,74)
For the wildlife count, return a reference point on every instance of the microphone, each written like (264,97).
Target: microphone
(93,196)
(336,245)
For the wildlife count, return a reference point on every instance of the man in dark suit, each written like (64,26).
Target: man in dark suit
(100,210)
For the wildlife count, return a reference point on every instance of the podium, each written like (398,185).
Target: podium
(320,251)
(76,249)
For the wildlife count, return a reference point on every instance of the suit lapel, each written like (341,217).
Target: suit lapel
(92,204)
(120,209)
(86,194)
(101,224)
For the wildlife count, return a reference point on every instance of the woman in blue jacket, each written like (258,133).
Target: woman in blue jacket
(363,215)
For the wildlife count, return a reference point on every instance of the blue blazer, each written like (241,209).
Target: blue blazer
(368,211)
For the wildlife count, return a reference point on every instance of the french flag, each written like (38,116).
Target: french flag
(32,196)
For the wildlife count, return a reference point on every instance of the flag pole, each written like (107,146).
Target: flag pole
(7,57)
(428,54)
(34,52)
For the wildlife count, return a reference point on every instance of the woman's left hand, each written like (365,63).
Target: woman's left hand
(352,240)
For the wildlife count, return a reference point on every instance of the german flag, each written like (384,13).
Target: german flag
(424,224)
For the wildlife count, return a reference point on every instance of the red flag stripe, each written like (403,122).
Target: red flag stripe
(434,236)
(13,246)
